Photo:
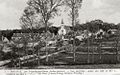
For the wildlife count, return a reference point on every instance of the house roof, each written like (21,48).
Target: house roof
(112,30)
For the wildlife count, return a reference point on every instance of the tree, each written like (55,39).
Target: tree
(106,26)
(39,12)
(46,9)
(29,19)
(74,6)
(94,25)
(78,27)
(0,36)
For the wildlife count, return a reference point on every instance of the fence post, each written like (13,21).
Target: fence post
(93,50)
(74,53)
(117,50)
(46,50)
(46,53)
(38,57)
(74,50)
(19,59)
(117,45)
(88,45)
(100,53)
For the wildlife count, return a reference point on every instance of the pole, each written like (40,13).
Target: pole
(88,44)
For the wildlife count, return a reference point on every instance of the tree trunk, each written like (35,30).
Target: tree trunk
(46,42)
(73,24)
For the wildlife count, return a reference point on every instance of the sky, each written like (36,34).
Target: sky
(106,10)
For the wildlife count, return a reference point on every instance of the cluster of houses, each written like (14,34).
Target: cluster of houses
(85,33)
(62,31)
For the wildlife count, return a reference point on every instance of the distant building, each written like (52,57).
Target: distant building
(17,35)
(64,29)
(112,31)
(99,34)
(5,40)
(83,35)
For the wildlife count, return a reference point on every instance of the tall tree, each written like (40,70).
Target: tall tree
(47,9)
(74,6)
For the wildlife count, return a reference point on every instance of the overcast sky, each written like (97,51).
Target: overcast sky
(106,10)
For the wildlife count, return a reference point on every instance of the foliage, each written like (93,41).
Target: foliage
(74,6)
(30,19)
(44,9)
(93,26)
(106,26)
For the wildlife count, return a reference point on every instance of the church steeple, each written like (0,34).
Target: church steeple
(62,22)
